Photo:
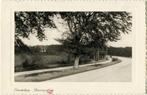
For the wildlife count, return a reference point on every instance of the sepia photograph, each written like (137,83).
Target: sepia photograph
(74,46)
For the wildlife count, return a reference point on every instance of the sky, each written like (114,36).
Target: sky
(125,40)
(52,34)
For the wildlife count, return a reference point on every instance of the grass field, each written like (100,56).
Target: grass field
(26,62)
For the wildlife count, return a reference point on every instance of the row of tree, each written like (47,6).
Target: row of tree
(85,29)
(120,51)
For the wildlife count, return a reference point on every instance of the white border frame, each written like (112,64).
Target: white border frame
(137,86)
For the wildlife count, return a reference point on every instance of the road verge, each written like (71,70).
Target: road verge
(48,75)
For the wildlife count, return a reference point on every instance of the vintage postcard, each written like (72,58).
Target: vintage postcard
(81,47)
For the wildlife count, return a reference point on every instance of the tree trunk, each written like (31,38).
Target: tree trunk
(76,62)
(68,60)
(94,56)
(97,55)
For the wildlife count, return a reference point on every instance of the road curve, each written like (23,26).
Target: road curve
(120,72)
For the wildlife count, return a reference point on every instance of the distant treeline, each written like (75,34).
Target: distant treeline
(59,49)
(120,51)
(48,49)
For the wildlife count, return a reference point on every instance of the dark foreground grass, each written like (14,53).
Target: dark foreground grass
(37,77)
(29,62)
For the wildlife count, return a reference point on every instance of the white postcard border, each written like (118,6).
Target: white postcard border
(138,68)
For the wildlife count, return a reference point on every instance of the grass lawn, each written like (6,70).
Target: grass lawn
(37,77)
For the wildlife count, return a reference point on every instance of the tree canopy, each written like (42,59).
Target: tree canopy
(86,29)
(94,29)
(33,22)
(27,23)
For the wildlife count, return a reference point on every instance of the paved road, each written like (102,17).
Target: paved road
(116,73)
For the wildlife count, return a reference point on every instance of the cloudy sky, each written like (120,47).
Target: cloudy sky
(52,34)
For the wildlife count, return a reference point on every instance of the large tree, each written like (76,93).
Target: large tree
(93,30)
(27,23)
(86,30)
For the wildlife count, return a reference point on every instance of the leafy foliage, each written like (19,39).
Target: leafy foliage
(93,29)
(86,30)
(27,23)
(20,47)
(32,22)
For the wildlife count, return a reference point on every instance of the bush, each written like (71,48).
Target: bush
(107,58)
(84,59)
(30,65)
(114,59)
(25,62)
